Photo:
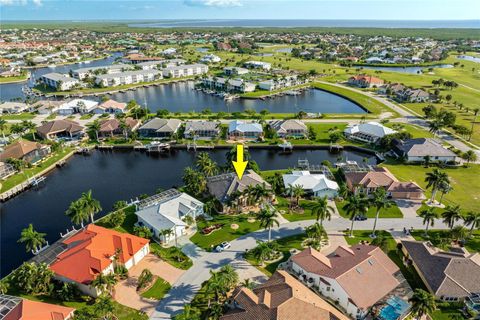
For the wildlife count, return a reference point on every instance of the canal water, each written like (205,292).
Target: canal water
(413,70)
(112,176)
(181,97)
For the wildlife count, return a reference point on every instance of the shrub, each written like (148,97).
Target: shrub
(144,279)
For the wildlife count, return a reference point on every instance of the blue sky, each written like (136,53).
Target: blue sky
(240,9)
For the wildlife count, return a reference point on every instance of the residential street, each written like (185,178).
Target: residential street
(184,290)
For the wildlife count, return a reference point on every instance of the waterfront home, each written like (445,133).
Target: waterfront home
(16,308)
(280,83)
(291,128)
(202,130)
(228,189)
(365,81)
(159,128)
(170,210)
(367,182)
(83,73)
(413,95)
(59,81)
(282,297)
(169,51)
(355,278)
(449,275)
(127,77)
(161,64)
(258,65)
(12,107)
(369,132)
(391,88)
(240,130)
(46,107)
(417,150)
(61,129)
(77,106)
(317,185)
(6,170)
(136,58)
(235,71)
(112,127)
(29,151)
(110,106)
(96,250)
(229,85)
(210,58)
(186,70)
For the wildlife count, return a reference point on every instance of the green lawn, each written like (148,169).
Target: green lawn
(446,311)
(285,245)
(436,237)
(20,116)
(415,131)
(292,215)
(392,212)
(158,290)
(13,79)
(466,189)
(18,178)
(172,255)
(393,253)
(226,233)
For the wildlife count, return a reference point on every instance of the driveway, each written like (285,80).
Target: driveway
(409,207)
(126,293)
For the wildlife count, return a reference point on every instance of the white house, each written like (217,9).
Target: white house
(170,210)
(128,77)
(234,71)
(367,132)
(258,65)
(59,81)
(355,277)
(76,106)
(169,51)
(284,82)
(317,185)
(93,251)
(82,73)
(416,151)
(185,70)
(224,84)
(210,58)
(13,107)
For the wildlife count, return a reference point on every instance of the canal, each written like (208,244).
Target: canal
(412,70)
(113,176)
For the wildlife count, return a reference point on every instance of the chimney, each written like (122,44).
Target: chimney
(267,298)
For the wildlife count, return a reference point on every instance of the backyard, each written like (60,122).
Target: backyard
(158,290)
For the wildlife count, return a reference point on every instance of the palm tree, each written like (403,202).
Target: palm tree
(268,219)
(188,313)
(475,113)
(95,127)
(435,126)
(434,180)
(4,285)
(214,285)
(30,126)
(429,215)
(444,187)
(32,239)
(110,282)
(469,156)
(99,282)
(380,201)
(262,252)
(91,205)
(458,233)
(356,205)
(316,231)
(247,283)
(3,126)
(422,303)
(321,210)
(124,127)
(472,219)
(451,215)
(298,192)
(76,213)
(206,165)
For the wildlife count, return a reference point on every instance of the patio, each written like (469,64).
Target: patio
(126,290)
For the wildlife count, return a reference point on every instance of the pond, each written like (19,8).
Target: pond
(413,70)
(469,58)
(112,176)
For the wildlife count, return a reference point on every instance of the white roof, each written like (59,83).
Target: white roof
(308,181)
(370,128)
(169,213)
(89,104)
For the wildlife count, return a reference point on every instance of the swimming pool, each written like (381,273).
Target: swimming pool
(394,309)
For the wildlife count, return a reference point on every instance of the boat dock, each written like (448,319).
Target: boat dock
(30,183)
(155,147)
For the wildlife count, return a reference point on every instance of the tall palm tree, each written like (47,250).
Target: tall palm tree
(30,126)
(356,205)
(124,127)
(472,219)
(4,285)
(32,239)
(262,252)
(214,285)
(100,282)
(429,215)
(110,282)
(298,192)
(459,233)
(321,210)
(268,219)
(76,213)
(451,215)
(3,126)
(95,127)
(206,165)
(422,303)
(247,283)
(380,201)
(444,187)
(434,180)
(475,113)
(90,204)
(316,231)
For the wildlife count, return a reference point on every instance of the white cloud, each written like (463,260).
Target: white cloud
(213,3)
(19,2)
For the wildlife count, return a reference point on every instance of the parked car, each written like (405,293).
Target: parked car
(223,246)
(360,218)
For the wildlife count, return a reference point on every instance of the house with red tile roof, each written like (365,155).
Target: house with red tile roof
(356,277)
(282,297)
(96,250)
(15,308)
(365,81)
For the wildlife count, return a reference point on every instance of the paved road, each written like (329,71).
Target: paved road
(184,290)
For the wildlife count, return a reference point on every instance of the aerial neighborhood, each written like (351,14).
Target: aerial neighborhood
(224,173)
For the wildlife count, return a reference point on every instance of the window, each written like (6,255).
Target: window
(359,270)
(371,262)
(328,288)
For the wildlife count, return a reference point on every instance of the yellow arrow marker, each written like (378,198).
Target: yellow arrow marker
(240,165)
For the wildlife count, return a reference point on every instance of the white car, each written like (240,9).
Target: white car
(223,246)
